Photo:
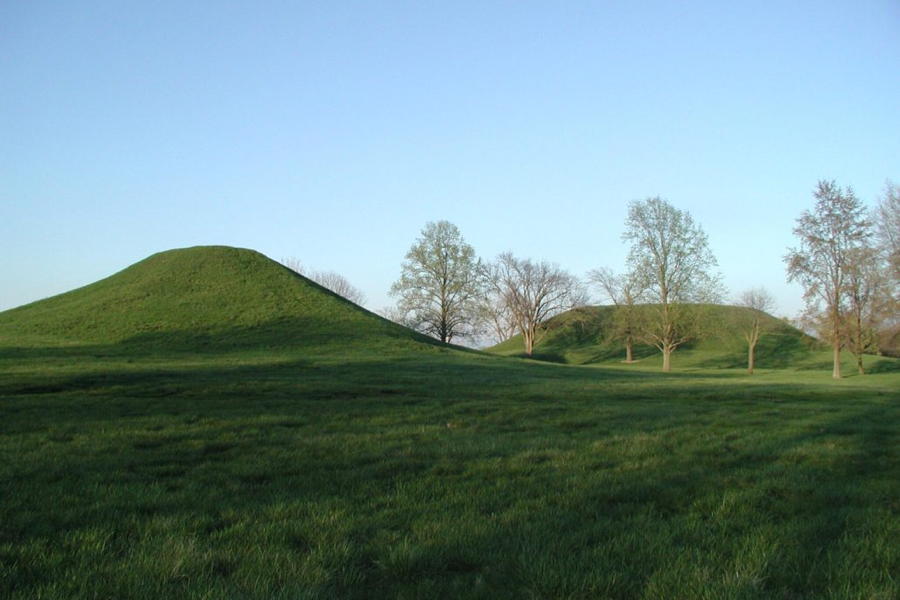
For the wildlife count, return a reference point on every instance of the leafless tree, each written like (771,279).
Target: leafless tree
(868,302)
(395,314)
(338,284)
(829,236)
(625,292)
(887,227)
(758,302)
(294,264)
(331,280)
(671,259)
(440,283)
(497,322)
(533,292)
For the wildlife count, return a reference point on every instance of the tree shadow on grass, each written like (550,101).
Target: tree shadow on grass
(546,528)
(549,530)
(610,534)
(774,351)
(884,366)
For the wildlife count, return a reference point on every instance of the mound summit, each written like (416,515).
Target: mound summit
(194,298)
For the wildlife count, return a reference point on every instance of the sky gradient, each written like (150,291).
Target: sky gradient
(332,132)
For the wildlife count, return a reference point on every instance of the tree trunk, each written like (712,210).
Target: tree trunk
(667,362)
(528,336)
(751,358)
(628,356)
(859,344)
(836,344)
(836,371)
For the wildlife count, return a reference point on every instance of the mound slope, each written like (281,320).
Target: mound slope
(198,297)
(584,335)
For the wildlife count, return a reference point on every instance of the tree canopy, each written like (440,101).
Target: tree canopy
(440,283)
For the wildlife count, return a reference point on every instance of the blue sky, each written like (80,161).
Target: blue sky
(332,132)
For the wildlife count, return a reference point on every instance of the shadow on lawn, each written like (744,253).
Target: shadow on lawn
(798,509)
(773,351)
(608,538)
(296,333)
(550,550)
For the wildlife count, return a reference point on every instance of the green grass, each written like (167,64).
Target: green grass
(231,462)
(439,474)
(202,299)
(582,336)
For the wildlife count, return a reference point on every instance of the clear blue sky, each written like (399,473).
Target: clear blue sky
(333,131)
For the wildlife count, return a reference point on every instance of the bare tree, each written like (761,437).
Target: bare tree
(496,318)
(887,227)
(533,292)
(440,283)
(829,235)
(625,292)
(394,314)
(294,264)
(868,301)
(331,280)
(671,259)
(758,302)
(338,284)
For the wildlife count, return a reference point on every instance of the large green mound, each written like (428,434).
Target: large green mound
(195,299)
(584,336)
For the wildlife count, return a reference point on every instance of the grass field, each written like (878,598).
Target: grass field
(440,474)
(206,424)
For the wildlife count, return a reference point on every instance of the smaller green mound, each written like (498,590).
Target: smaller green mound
(196,299)
(585,335)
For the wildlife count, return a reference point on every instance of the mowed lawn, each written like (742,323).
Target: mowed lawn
(440,474)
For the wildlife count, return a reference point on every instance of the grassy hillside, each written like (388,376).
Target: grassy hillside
(583,336)
(198,299)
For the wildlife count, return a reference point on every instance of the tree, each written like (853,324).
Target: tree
(439,283)
(294,264)
(394,314)
(887,227)
(758,302)
(624,291)
(339,284)
(532,292)
(829,236)
(331,280)
(867,300)
(495,317)
(671,259)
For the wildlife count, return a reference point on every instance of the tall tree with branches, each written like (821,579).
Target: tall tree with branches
(830,236)
(440,283)
(887,228)
(671,259)
(757,303)
(532,292)
(497,321)
(868,300)
(625,292)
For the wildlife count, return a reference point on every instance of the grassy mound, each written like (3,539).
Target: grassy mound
(585,336)
(198,299)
